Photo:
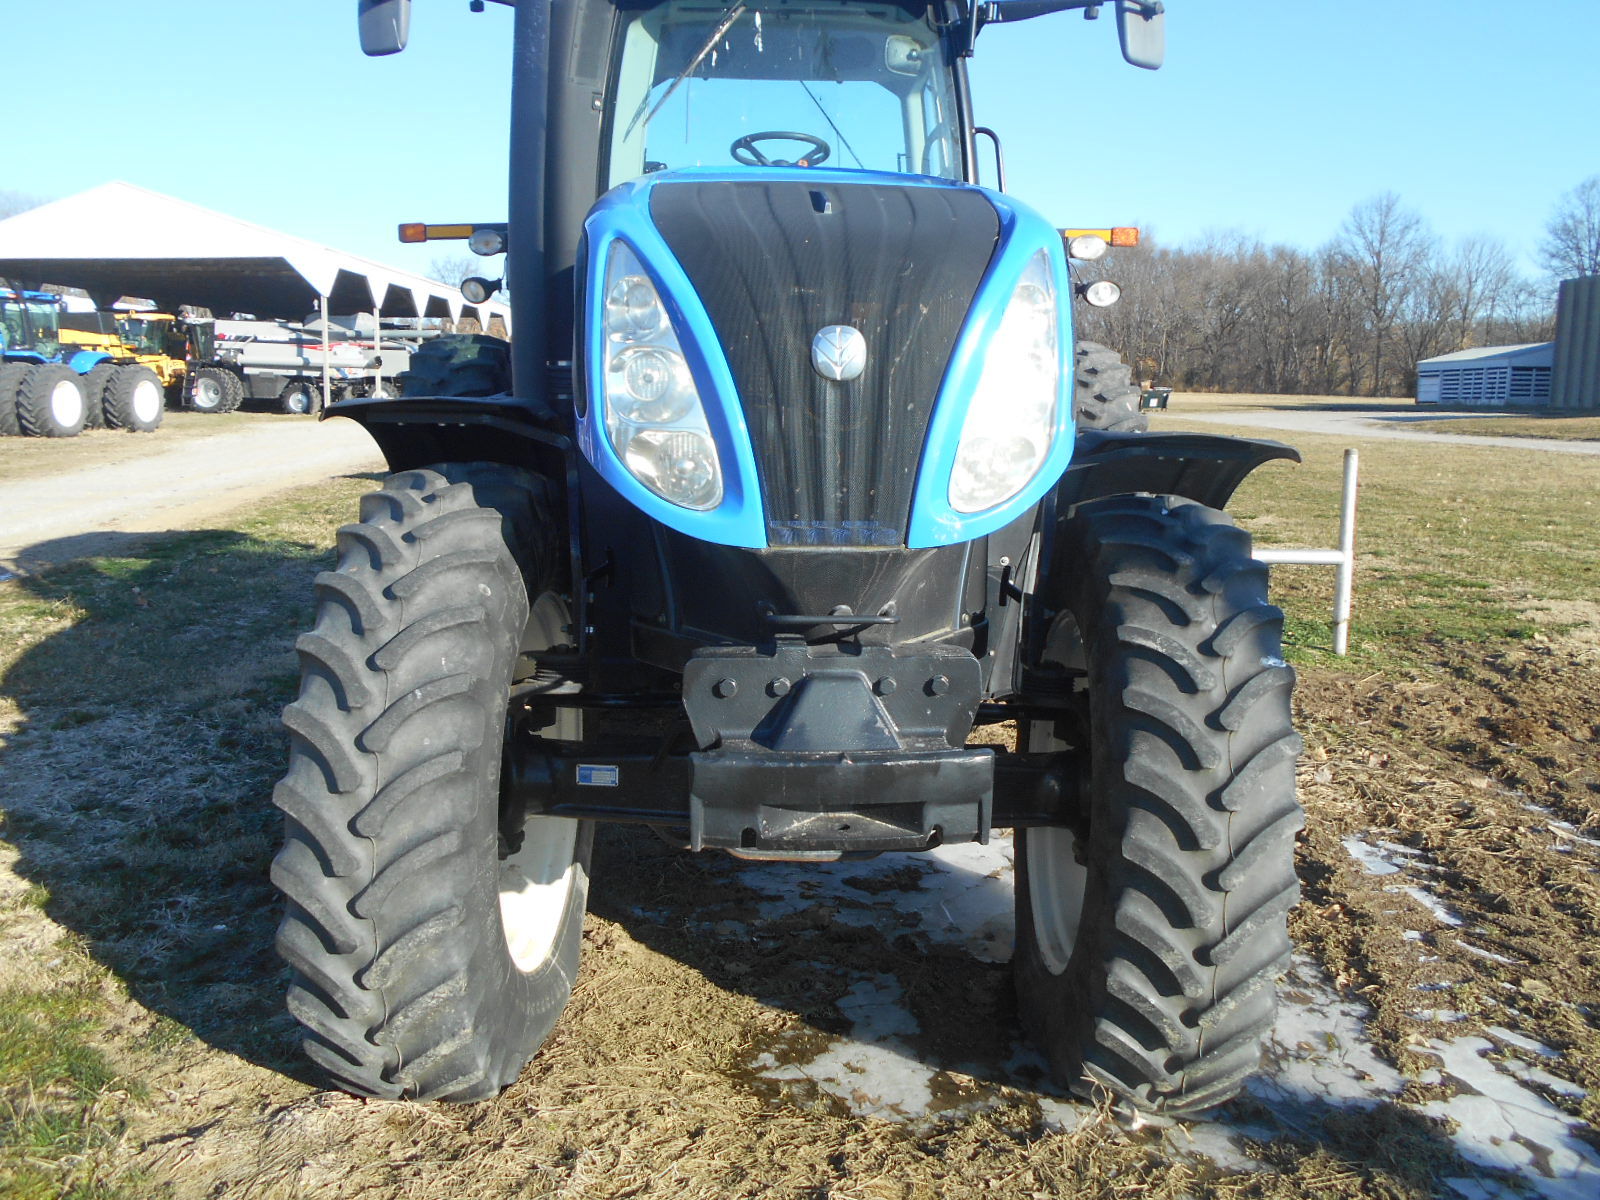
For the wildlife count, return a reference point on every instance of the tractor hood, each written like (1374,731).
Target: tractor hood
(788,357)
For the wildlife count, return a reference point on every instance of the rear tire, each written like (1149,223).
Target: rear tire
(1103,393)
(464,364)
(50,402)
(94,391)
(213,390)
(1146,956)
(11,377)
(134,400)
(424,964)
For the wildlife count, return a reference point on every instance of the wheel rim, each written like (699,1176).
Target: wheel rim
(535,886)
(1056,884)
(299,401)
(537,881)
(66,403)
(146,401)
(1057,881)
(207,393)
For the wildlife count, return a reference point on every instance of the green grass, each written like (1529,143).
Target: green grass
(139,740)
(55,1089)
(1453,543)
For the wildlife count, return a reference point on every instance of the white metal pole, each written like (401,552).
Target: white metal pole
(1344,587)
(327,383)
(377,349)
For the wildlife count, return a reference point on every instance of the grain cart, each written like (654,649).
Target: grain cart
(786,449)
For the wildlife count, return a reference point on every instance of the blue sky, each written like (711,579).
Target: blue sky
(1273,117)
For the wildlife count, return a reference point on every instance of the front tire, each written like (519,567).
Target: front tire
(300,397)
(214,390)
(11,377)
(431,953)
(50,402)
(1148,944)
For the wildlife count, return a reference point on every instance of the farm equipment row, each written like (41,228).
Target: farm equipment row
(65,372)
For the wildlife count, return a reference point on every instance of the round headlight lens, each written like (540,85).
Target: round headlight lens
(486,241)
(633,310)
(653,385)
(678,465)
(1102,293)
(1087,246)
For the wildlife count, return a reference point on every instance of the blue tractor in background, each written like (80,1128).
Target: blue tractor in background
(41,390)
(52,389)
(794,450)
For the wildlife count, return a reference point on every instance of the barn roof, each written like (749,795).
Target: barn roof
(1532,353)
(118,239)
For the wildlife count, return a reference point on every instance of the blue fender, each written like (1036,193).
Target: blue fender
(85,361)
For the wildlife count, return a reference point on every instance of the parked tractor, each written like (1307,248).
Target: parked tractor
(52,386)
(179,350)
(788,452)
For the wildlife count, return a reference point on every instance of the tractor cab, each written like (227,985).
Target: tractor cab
(858,86)
(30,325)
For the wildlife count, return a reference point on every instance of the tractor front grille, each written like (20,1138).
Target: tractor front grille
(776,261)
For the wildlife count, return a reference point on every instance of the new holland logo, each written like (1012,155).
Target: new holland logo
(839,352)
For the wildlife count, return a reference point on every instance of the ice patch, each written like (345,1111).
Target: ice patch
(1318,1056)
(1373,860)
(1430,902)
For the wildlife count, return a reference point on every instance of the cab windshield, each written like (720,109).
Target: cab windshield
(30,325)
(864,86)
(149,337)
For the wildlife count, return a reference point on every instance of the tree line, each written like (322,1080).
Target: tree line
(1350,318)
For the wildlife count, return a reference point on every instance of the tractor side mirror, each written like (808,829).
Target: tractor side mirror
(1142,30)
(385,25)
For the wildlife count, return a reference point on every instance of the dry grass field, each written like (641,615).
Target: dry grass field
(1447,934)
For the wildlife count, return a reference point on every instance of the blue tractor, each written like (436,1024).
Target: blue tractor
(41,387)
(56,386)
(794,450)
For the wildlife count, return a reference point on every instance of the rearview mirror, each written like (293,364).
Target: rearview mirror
(385,25)
(1142,30)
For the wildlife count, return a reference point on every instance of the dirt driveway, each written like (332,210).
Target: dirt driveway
(67,514)
(1390,426)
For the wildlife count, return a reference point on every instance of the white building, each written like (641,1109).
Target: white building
(1490,376)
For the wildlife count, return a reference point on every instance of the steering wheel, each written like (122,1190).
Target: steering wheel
(744,150)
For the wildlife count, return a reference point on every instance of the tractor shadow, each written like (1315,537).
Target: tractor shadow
(139,743)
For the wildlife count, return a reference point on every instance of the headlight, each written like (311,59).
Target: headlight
(1012,419)
(654,417)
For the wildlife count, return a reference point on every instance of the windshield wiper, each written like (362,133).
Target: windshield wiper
(728,18)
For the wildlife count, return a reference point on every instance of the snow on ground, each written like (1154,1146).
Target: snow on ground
(1319,1054)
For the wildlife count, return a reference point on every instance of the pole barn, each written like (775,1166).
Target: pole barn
(1488,377)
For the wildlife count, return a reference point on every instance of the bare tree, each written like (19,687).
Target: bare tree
(453,268)
(1382,252)
(1572,235)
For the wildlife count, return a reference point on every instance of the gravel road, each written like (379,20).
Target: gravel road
(178,488)
(1387,425)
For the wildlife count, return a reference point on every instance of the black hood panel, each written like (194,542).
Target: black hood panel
(774,262)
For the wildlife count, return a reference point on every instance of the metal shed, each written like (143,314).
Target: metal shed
(1488,377)
(118,239)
